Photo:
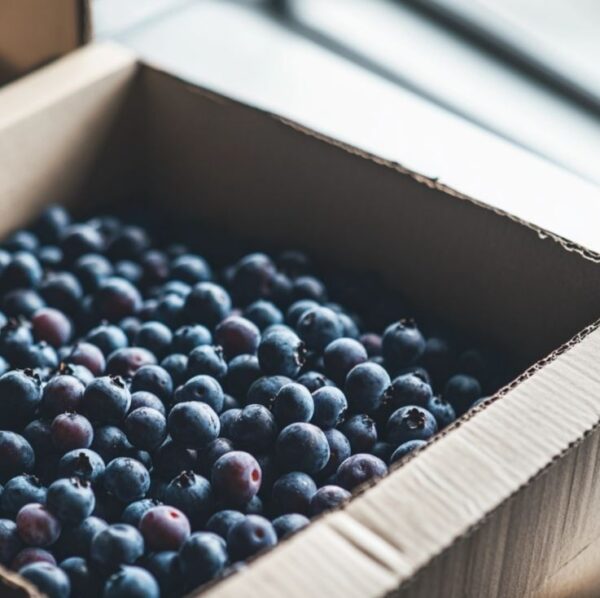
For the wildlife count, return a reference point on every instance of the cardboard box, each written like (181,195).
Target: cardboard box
(500,504)
(35,32)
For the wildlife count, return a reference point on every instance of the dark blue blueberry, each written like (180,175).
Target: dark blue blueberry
(106,400)
(442,411)
(49,579)
(20,395)
(91,269)
(402,343)
(209,454)
(297,309)
(116,298)
(71,431)
(16,455)
(128,242)
(170,459)
(249,536)
(14,336)
(309,287)
(254,429)
(237,336)
(327,498)
(294,263)
(83,579)
(129,271)
(281,352)
(133,512)
(190,336)
(263,390)
(31,555)
(190,269)
(293,403)
(207,304)
(330,406)
(116,545)
(438,359)
(71,500)
(37,433)
(341,356)
(110,442)
(146,428)
(176,364)
(410,389)
(191,494)
(461,391)
(302,447)
(202,557)
(242,372)
(143,398)
(339,450)
(18,492)
(131,324)
(222,521)
(154,336)
(40,355)
(254,506)
(405,448)
(367,386)
(263,313)
(77,540)
(236,478)
(87,355)
(207,360)
(410,423)
(131,582)
(169,310)
(164,566)
(108,338)
(229,420)
(383,450)
(22,303)
(22,272)
(318,327)
(349,326)
(372,343)
(204,389)
(10,541)
(51,223)
(193,424)
(358,469)
(292,493)
(314,380)
(22,240)
(154,379)
(62,291)
(126,362)
(253,278)
(176,287)
(288,524)
(126,479)
(361,432)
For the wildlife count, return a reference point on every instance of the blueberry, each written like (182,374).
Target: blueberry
(360,430)
(281,352)
(83,579)
(142,398)
(164,566)
(71,431)
(410,389)
(193,424)
(169,310)
(204,389)
(176,365)
(209,455)
(461,391)
(330,406)
(402,343)
(19,491)
(108,338)
(207,360)
(367,386)
(118,544)
(263,390)
(164,528)
(302,447)
(192,494)
(297,309)
(190,269)
(49,579)
(91,269)
(253,278)
(383,450)
(10,541)
(89,356)
(340,356)
(22,303)
(126,479)
(229,420)
(263,313)
(207,304)
(154,336)
(16,455)
(327,498)
(293,403)
(20,395)
(318,327)
(438,359)
(110,442)
(294,263)
(126,362)
(133,512)
(190,336)
(131,582)
(62,291)
(405,448)
(254,429)
(202,557)
(242,372)
(410,423)
(170,459)
(309,287)
(14,336)
(442,411)
(236,478)
(130,271)
(71,500)
(40,356)
(146,428)
(222,521)
(288,524)
(358,469)
(249,536)
(116,298)
(339,450)
(76,540)
(237,336)
(154,379)
(51,223)
(37,526)
(23,271)
(106,400)
(292,493)
(314,380)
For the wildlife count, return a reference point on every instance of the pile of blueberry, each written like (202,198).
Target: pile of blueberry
(162,419)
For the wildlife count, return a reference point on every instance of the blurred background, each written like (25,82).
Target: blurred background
(523,71)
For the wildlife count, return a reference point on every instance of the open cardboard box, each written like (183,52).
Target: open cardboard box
(500,504)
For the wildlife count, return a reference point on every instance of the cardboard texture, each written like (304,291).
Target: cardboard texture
(34,32)
(503,503)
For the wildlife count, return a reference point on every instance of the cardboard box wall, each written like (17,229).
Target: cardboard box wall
(35,32)
(497,506)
